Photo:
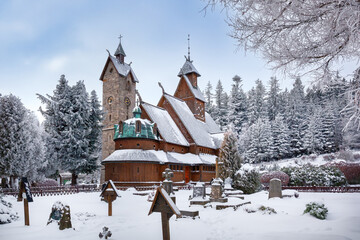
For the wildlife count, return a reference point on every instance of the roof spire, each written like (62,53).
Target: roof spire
(188,58)
(120,53)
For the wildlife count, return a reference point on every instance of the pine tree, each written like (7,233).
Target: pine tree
(229,155)
(273,99)
(21,145)
(296,117)
(72,122)
(209,107)
(237,115)
(280,136)
(221,109)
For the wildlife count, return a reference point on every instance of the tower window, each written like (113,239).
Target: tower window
(138,126)
(110,117)
(111,70)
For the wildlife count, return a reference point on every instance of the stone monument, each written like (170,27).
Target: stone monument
(216,187)
(60,214)
(167,183)
(275,188)
(199,190)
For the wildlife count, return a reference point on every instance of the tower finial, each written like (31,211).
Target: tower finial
(120,37)
(188,47)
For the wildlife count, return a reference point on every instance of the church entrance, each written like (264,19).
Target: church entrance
(187,174)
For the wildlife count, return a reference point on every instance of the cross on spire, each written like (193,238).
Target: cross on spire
(188,47)
(120,37)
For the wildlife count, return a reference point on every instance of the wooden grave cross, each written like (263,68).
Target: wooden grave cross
(110,193)
(164,204)
(25,194)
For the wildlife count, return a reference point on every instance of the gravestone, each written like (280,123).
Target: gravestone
(60,214)
(275,188)
(199,190)
(216,187)
(168,183)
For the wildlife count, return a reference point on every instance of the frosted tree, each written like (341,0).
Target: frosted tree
(70,121)
(273,99)
(257,142)
(21,145)
(300,35)
(256,102)
(229,155)
(237,115)
(221,109)
(280,136)
(209,107)
(297,117)
(313,138)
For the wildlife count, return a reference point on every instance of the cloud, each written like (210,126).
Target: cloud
(56,64)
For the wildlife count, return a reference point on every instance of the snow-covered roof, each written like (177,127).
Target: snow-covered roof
(165,124)
(211,125)
(123,69)
(188,67)
(207,158)
(195,91)
(187,158)
(196,128)
(217,138)
(129,155)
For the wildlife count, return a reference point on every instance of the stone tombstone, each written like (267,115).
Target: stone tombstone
(199,190)
(60,214)
(275,188)
(168,183)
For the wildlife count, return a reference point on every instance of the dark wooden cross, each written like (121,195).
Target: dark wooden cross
(25,193)
(163,203)
(120,37)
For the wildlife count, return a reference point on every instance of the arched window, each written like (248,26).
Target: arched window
(138,126)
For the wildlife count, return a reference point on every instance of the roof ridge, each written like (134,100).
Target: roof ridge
(175,97)
(152,105)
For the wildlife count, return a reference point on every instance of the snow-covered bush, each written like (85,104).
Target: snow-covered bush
(266,177)
(267,210)
(47,182)
(7,214)
(247,181)
(350,170)
(310,175)
(317,210)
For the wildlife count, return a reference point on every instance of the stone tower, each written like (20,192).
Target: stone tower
(119,84)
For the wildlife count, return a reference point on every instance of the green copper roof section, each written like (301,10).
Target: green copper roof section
(129,129)
(137,112)
(120,51)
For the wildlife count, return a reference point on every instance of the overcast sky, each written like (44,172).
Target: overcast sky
(40,40)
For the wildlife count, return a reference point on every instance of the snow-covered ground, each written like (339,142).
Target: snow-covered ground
(130,218)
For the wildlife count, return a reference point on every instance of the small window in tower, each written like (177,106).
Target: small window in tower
(110,117)
(111,70)
(128,86)
(120,127)
(138,126)
(138,145)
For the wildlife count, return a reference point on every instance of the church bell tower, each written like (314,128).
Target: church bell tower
(119,84)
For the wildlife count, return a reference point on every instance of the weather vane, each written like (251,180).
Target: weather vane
(188,47)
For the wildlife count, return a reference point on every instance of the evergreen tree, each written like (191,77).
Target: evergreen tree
(273,99)
(72,122)
(229,155)
(297,117)
(237,106)
(221,109)
(209,107)
(21,145)
(280,136)
(256,102)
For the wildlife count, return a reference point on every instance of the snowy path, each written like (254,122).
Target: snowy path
(130,219)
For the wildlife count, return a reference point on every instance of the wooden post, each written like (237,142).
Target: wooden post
(217,168)
(109,206)
(26,212)
(165,226)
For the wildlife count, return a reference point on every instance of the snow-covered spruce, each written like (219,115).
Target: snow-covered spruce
(7,214)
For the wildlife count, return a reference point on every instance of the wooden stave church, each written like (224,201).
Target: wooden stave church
(176,134)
